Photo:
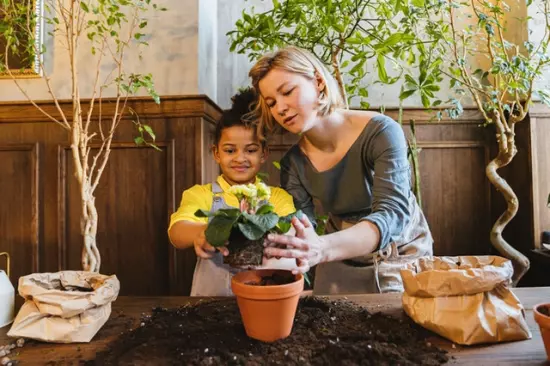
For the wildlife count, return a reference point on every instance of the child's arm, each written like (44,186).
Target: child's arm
(183,233)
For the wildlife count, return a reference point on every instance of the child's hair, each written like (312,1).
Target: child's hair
(239,115)
(298,61)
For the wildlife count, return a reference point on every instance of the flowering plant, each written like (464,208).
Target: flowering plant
(254,218)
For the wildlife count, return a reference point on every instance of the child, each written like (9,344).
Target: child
(240,154)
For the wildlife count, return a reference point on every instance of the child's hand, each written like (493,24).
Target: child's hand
(204,250)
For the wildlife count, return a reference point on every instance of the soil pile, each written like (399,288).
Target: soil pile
(325,333)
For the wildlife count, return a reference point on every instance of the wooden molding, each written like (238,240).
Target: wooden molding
(170,107)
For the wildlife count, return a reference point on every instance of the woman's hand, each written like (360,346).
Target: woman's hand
(306,247)
(203,248)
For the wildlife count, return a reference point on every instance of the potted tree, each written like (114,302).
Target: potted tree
(108,30)
(466,44)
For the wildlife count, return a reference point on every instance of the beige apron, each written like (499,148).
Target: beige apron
(378,272)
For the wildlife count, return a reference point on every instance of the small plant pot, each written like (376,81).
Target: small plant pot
(267,309)
(542,317)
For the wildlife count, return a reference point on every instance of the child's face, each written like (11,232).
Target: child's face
(239,154)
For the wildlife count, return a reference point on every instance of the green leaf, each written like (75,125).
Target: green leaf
(149,130)
(277,165)
(283,226)
(219,229)
(251,231)
(84,7)
(381,63)
(406,93)
(418,3)
(265,222)
(203,213)
(139,140)
(233,213)
(267,208)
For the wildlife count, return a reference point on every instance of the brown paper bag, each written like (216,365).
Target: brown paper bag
(64,307)
(464,299)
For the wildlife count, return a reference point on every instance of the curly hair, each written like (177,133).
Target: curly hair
(243,103)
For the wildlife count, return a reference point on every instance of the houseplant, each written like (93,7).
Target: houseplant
(107,30)
(467,44)
(361,42)
(245,228)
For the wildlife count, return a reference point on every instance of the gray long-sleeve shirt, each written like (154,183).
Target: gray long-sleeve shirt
(372,181)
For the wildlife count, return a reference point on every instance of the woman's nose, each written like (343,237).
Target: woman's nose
(282,108)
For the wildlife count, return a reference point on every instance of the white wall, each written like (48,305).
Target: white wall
(233,68)
(173,57)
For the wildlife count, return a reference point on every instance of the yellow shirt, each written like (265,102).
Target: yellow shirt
(200,197)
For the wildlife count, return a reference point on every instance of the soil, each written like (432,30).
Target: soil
(277,278)
(544,310)
(325,333)
(244,252)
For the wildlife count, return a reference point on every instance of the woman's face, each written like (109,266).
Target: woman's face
(293,99)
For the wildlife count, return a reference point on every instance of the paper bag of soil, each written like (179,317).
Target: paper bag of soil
(464,299)
(64,307)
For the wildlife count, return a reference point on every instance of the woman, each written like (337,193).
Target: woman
(354,163)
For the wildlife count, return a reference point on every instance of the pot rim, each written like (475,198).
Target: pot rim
(241,289)
(536,311)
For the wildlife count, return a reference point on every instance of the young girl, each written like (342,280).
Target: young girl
(240,154)
(355,164)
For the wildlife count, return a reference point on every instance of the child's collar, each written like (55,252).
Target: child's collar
(225,186)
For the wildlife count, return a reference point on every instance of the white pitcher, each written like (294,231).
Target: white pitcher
(7,295)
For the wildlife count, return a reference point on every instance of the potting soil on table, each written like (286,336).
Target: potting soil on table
(324,333)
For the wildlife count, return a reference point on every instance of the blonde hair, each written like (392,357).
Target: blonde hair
(299,61)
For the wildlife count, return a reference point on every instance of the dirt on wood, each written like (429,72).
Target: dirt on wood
(325,333)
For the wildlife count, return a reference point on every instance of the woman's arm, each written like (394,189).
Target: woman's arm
(291,183)
(387,149)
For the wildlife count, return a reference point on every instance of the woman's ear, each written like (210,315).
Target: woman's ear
(216,153)
(321,84)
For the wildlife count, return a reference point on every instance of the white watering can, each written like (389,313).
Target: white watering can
(7,295)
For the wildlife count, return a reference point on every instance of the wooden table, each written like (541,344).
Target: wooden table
(529,352)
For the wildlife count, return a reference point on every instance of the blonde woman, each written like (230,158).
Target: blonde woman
(354,163)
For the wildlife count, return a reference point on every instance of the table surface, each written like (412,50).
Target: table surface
(528,352)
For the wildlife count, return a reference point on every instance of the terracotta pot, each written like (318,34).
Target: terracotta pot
(267,311)
(544,325)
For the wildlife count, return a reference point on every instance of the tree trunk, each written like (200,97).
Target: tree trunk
(91,259)
(520,262)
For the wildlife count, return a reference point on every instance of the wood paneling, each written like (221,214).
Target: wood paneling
(20,206)
(139,190)
(142,187)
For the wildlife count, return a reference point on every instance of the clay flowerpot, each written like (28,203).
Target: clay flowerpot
(267,309)
(542,317)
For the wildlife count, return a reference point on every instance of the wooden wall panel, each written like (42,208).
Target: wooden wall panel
(540,157)
(455,196)
(142,187)
(20,207)
(139,190)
